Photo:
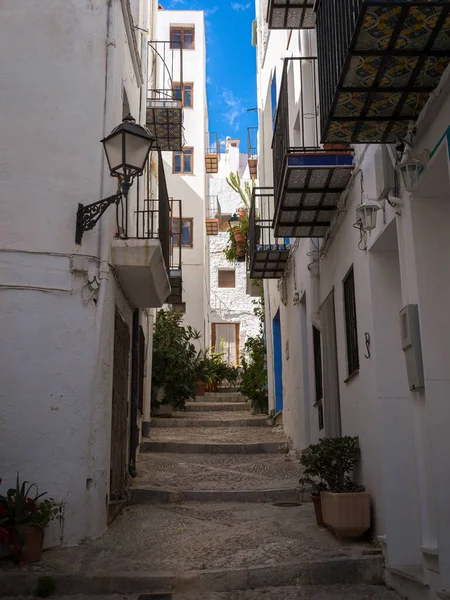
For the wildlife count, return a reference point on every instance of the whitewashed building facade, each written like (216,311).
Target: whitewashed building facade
(73,391)
(232,310)
(355,321)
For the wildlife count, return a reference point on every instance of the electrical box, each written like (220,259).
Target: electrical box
(412,346)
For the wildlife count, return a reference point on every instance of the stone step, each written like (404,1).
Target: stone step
(232,397)
(192,422)
(184,447)
(217,406)
(304,576)
(148,495)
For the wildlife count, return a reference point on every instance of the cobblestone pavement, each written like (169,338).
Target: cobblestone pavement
(195,536)
(216,472)
(330,592)
(239,435)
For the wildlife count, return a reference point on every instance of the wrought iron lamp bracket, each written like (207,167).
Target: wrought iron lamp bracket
(87,216)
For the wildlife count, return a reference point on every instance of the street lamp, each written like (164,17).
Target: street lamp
(127,148)
(234,221)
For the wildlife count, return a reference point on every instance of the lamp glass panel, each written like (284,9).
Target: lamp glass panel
(136,151)
(113,149)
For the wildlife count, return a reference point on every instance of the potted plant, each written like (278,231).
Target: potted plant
(310,461)
(25,516)
(173,361)
(345,505)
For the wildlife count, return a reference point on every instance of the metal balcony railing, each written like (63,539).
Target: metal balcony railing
(175,253)
(165,95)
(213,214)
(212,151)
(298,132)
(141,216)
(378,63)
(268,254)
(252,151)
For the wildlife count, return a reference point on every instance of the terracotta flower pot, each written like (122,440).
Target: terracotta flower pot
(318,509)
(238,236)
(348,515)
(240,249)
(27,544)
(200,388)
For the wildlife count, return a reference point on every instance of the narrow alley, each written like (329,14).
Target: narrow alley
(217,514)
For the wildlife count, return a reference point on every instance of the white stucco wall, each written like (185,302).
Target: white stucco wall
(57,101)
(191,189)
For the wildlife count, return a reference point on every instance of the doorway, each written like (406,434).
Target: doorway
(331,397)
(225,340)
(278,362)
(119,420)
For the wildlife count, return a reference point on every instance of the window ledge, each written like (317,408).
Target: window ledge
(352,376)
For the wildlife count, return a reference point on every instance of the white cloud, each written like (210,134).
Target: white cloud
(208,79)
(175,2)
(211,11)
(234,109)
(237,6)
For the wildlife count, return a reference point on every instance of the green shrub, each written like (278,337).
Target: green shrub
(329,463)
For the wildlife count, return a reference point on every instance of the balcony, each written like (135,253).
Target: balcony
(213,214)
(308,179)
(291,14)
(212,153)
(164,97)
(175,264)
(268,254)
(140,250)
(379,61)
(252,151)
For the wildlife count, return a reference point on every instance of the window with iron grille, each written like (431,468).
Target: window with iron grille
(226,278)
(182,37)
(351,330)
(318,374)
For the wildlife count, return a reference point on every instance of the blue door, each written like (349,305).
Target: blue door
(278,362)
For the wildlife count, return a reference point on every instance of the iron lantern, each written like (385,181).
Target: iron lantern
(127,148)
(410,167)
(234,221)
(366,214)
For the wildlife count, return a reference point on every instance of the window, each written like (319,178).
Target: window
(182,37)
(351,330)
(186,232)
(273,97)
(183,162)
(187,96)
(318,374)
(226,278)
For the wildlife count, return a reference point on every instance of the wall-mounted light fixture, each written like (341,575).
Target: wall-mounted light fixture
(366,214)
(127,148)
(234,221)
(410,167)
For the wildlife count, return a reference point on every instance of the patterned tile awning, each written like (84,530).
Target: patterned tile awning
(165,122)
(291,14)
(379,65)
(312,184)
(268,254)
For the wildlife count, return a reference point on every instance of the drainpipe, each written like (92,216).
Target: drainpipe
(134,433)
(314,277)
(105,237)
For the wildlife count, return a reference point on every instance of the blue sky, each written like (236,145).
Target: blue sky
(231,60)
